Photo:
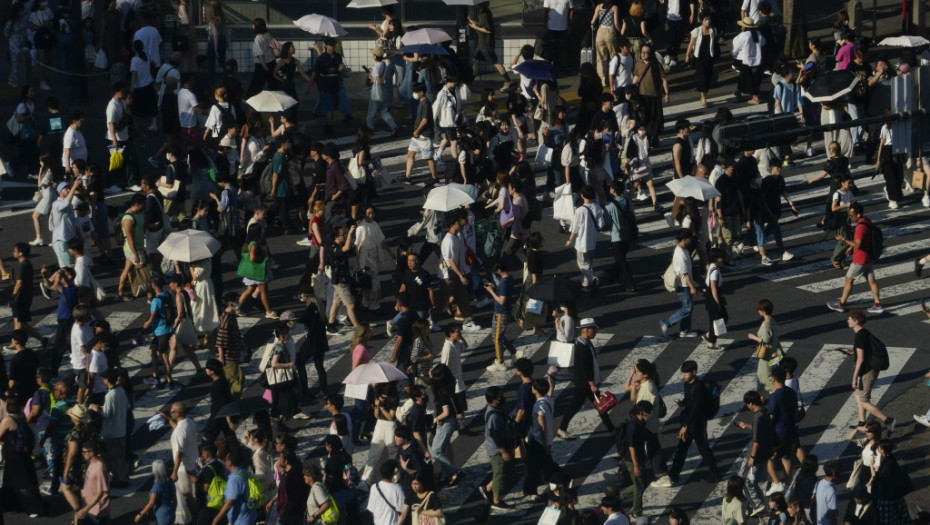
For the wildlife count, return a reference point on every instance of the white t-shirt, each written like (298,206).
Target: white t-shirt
(452,249)
(98,365)
(187,101)
(584,226)
(115,111)
(558,14)
(681,261)
(621,68)
(452,357)
(261,48)
(215,118)
(166,70)
(142,70)
(151,41)
(380,505)
(184,440)
(81,335)
(74,141)
(746,50)
(886,136)
(82,273)
(752,9)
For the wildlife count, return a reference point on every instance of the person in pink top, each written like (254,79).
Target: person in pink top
(360,353)
(847,51)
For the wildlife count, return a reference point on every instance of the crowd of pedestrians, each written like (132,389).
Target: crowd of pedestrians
(232,173)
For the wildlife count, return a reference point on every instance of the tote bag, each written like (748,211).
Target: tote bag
(563,207)
(561,354)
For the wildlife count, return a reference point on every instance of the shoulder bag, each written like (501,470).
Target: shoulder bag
(419,519)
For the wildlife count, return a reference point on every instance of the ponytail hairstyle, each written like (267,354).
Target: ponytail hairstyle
(139,48)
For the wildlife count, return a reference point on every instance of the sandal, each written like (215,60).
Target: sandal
(454,480)
(566,436)
(126,298)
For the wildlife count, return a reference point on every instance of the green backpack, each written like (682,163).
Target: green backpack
(216,492)
(257,496)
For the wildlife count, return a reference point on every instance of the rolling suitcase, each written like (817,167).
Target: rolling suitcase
(587,55)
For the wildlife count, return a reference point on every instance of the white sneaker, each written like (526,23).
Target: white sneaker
(775,487)
(37,242)
(875,309)
(44,86)
(809,152)
(925,201)
(389,327)
(135,187)
(153,162)
(672,63)
(496,366)
(470,326)
(304,242)
(908,188)
(893,205)
(641,196)
(687,333)
(669,220)
(766,261)
(922,420)
(662,483)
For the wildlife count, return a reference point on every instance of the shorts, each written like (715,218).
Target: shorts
(21,311)
(866,382)
(343,294)
(786,448)
(81,378)
(423,146)
(161,343)
(139,253)
(61,254)
(449,133)
(485,54)
(860,270)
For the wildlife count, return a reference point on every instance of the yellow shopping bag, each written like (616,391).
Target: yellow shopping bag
(116,160)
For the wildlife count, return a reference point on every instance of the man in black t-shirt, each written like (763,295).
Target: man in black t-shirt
(415,419)
(763,446)
(400,357)
(864,376)
(772,189)
(220,396)
(634,455)
(51,130)
(417,284)
(212,467)
(409,457)
(21,296)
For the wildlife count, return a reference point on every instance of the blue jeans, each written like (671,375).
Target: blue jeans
(422,314)
(683,314)
(440,444)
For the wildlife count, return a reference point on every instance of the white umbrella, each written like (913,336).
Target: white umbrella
(904,41)
(374,373)
(320,25)
(271,101)
(467,188)
(358,4)
(691,186)
(189,245)
(427,35)
(447,198)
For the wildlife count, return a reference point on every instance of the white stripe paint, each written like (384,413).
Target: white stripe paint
(909,248)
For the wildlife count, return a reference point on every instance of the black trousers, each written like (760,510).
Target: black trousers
(655,120)
(621,269)
(539,466)
(579,396)
(303,355)
(892,172)
(698,434)
(52,356)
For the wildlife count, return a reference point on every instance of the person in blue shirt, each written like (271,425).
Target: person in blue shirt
(619,208)
(61,281)
(161,342)
(236,508)
(162,498)
(500,292)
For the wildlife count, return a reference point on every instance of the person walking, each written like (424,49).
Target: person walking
(684,286)
(264,53)
(96,490)
(484,30)
(605,24)
(714,300)
(586,222)
(586,377)
(501,292)
(114,412)
(694,424)
(377,100)
(782,405)
(762,446)
(768,346)
(863,258)
(864,373)
(704,50)
(649,77)
(622,232)
(162,501)
(747,52)
(499,448)
(184,451)
(635,455)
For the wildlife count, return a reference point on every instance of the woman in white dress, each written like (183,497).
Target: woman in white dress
(46,185)
(203,305)
(372,248)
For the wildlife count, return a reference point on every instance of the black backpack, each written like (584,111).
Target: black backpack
(878,241)
(878,355)
(713,390)
(227,120)
(660,408)
(533,213)
(170,314)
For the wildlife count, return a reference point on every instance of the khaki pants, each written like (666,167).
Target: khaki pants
(606,44)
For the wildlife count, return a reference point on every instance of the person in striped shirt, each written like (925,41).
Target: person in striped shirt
(229,344)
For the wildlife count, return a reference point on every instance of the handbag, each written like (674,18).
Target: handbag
(561,354)
(550,516)
(605,402)
(670,278)
(419,519)
(563,207)
(720,326)
(919,180)
(762,351)
(331,514)
(116,160)
(37,196)
(535,307)
(544,155)
(854,475)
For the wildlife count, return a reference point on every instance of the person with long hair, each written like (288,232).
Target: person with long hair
(605,23)
(290,498)
(732,510)
(442,384)
(252,269)
(796,514)
(217,40)
(870,455)
(714,301)
(767,346)
(45,180)
(144,100)
(283,397)
(261,443)
(361,152)
(285,72)
(747,52)
(889,486)
(186,32)
(778,509)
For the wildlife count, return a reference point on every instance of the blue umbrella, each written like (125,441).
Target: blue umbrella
(425,49)
(536,70)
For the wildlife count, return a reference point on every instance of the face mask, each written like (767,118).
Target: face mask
(641,131)
(416,98)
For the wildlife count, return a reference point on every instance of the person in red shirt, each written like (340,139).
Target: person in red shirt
(862,260)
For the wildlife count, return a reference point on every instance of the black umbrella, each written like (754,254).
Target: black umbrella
(832,85)
(555,289)
(243,407)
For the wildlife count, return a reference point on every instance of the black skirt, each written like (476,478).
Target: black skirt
(144,102)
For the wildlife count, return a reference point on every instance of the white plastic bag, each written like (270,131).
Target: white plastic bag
(561,354)
(563,207)
(100,62)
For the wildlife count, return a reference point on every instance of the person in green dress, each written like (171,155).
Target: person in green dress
(767,337)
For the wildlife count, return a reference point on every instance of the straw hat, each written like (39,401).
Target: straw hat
(747,22)
(79,413)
